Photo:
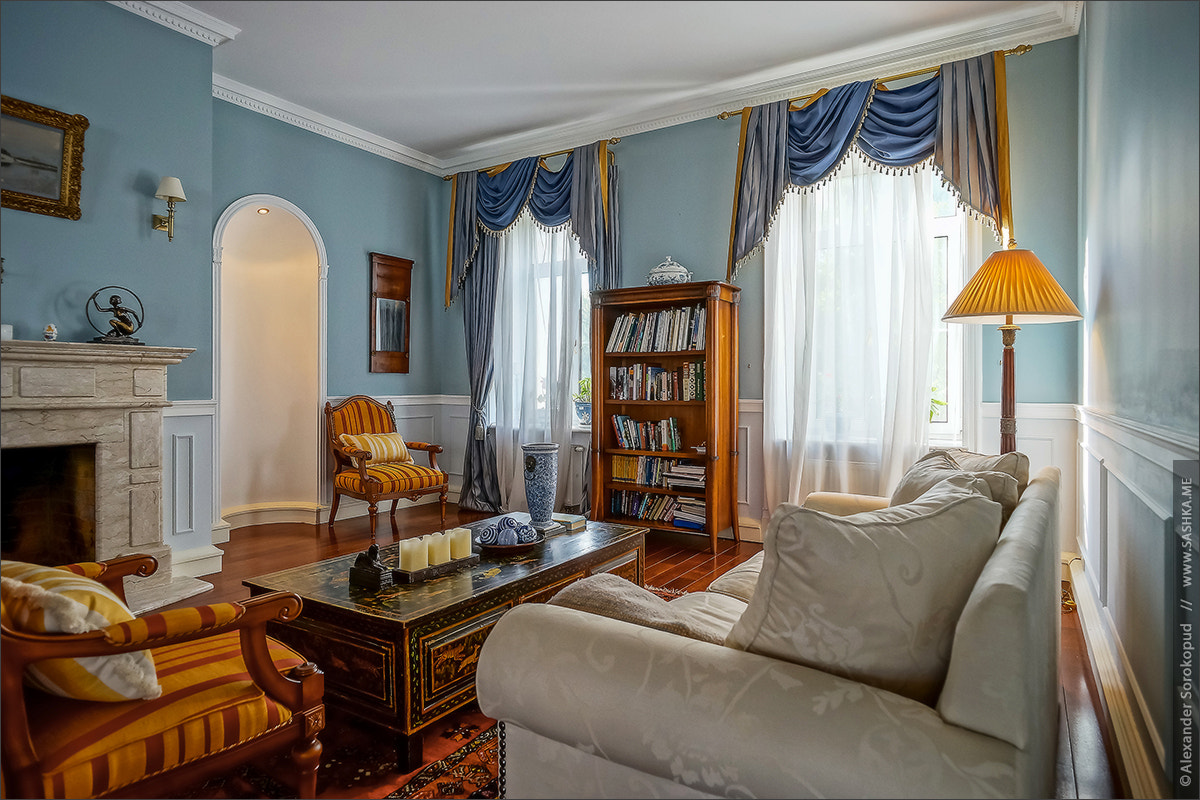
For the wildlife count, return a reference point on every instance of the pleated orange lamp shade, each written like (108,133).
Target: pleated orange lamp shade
(1012,282)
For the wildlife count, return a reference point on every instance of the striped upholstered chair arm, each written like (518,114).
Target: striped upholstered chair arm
(112,572)
(432,449)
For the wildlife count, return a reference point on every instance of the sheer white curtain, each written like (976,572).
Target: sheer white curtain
(539,305)
(848,320)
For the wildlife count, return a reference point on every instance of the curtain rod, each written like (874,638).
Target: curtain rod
(1019,50)
(613,140)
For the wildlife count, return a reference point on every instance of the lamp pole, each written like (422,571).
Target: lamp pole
(1008,400)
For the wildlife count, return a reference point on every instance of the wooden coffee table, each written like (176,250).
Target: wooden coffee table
(405,656)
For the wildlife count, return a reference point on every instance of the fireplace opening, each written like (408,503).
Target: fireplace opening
(48,504)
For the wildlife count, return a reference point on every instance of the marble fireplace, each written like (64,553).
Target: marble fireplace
(81,432)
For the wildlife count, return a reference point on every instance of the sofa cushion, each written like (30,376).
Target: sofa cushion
(935,466)
(208,704)
(39,599)
(873,596)
(390,478)
(1014,463)
(613,596)
(385,448)
(740,581)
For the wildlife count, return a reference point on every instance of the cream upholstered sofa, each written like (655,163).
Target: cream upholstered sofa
(688,702)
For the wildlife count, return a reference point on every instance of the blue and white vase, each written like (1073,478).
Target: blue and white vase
(541,482)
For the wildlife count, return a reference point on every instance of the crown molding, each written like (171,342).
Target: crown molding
(1050,21)
(183,18)
(1028,25)
(269,105)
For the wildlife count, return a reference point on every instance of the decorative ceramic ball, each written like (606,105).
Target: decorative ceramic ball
(488,534)
(527,534)
(508,523)
(507,536)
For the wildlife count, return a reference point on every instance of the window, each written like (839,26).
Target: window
(957,242)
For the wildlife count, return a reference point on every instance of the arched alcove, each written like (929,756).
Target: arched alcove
(269,270)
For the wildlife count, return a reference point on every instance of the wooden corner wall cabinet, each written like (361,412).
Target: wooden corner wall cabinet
(664,407)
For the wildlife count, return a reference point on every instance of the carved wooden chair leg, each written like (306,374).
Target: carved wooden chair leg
(307,759)
(443,501)
(394,503)
(372,509)
(333,510)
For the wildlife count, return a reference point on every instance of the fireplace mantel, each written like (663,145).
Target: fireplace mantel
(110,396)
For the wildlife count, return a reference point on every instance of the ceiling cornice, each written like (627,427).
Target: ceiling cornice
(269,105)
(183,18)
(1046,22)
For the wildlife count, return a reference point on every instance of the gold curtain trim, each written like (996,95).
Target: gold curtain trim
(450,237)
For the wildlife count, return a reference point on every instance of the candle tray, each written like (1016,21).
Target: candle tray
(434,570)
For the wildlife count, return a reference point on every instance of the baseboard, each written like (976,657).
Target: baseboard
(1136,758)
(197,561)
(272,513)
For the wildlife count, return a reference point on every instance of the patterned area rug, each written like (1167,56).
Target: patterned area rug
(469,771)
(359,762)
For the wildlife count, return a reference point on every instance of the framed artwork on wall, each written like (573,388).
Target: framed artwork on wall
(391,287)
(42,159)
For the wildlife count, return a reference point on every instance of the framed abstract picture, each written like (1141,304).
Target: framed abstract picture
(42,159)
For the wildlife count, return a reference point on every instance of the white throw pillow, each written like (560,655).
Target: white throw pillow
(874,596)
(1014,463)
(937,465)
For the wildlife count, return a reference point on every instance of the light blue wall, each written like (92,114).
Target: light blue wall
(676,200)
(360,204)
(1139,211)
(146,92)
(676,196)
(1043,165)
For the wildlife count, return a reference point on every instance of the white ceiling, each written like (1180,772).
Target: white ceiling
(446,86)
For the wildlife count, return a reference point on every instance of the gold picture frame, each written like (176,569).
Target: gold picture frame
(42,158)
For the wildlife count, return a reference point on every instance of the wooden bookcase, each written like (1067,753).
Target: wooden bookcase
(687,375)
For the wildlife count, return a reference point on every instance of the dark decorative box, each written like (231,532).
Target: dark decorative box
(434,570)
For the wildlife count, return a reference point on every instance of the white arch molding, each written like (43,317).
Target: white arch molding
(273,512)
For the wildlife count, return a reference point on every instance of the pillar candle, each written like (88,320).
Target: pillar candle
(439,548)
(460,543)
(413,555)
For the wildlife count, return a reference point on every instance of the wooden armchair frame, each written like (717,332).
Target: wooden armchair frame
(301,690)
(347,458)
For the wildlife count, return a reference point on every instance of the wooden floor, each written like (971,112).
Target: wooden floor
(680,563)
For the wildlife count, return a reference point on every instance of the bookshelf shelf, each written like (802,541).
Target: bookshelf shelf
(664,374)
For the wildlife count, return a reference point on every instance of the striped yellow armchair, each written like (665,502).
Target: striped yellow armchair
(100,703)
(371,461)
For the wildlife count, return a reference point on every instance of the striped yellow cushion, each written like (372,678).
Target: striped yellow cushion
(392,477)
(385,448)
(208,704)
(41,599)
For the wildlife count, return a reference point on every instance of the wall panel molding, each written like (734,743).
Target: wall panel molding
(1121,582)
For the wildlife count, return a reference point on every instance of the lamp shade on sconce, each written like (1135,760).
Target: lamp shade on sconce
(170,189)
(1012,287)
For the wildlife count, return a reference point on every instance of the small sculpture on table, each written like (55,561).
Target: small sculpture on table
(124,322)
(369,572)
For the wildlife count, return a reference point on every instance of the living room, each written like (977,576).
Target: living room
(1101,115)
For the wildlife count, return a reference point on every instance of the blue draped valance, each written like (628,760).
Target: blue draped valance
(577,194)
(956,119)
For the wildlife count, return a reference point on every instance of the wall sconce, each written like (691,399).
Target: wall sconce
(171,190)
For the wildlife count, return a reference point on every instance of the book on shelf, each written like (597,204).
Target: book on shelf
(667,330)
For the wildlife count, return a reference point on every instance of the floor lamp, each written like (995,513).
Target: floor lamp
(1011,288)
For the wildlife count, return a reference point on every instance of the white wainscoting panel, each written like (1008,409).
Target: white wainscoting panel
(1047,433)
(751,498)
(1122,581)
(189,475)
